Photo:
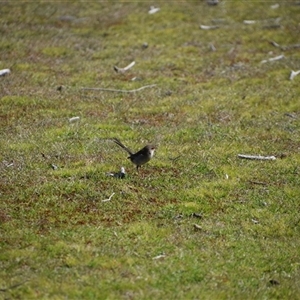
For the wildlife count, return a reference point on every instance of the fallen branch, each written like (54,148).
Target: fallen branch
(258,157)
(120,91)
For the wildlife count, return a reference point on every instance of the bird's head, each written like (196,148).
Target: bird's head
(151,149)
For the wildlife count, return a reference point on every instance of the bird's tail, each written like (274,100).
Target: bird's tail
(117,141)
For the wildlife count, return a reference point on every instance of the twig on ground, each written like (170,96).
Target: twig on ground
(294,46)
(273,59)
(275,6)
(249,22)
(8,164)
(120,174)
(257,157)
(257,182)
(208,27)
(284,48)
(212,47)
(291,115)
(4,72)
(196,215)
(275,44)
(153,10)
(294,74)
(13,286)
(106,200)
(175,158)
(159,256)
(54,167)
(123,70)
(74,119)
(120,91)
(197,227)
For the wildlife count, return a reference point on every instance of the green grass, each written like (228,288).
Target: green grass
(197,222)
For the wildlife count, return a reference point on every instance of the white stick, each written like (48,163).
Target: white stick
(106,200)
(4,72)
(294,74)
(120,91)
(207,27)
(74,119)
(159,256)
(153,10)
(272,59)
(123,70)
(249,22)
(259,157)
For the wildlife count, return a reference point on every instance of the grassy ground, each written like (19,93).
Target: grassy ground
(197,222)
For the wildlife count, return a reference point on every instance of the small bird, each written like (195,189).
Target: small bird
(139,158)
